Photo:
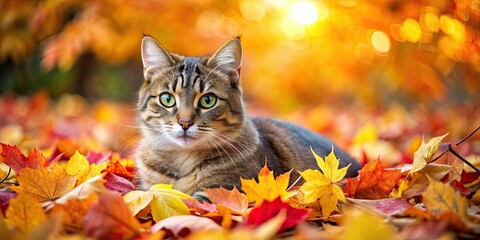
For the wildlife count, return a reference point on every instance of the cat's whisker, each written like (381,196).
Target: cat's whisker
(242,156)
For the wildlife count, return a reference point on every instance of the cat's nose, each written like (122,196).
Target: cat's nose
(185,123)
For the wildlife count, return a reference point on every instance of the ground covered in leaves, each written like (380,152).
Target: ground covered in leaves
(67,170)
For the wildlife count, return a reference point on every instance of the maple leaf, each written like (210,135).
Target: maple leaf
(425,153)
(232,199)
(79,165)
(110,218)
(267,210)
(268,188)
(44,185)
(116,167)
(164,201)
(323,186)
(440,197)
(25,213)
(374,182)
(15,159)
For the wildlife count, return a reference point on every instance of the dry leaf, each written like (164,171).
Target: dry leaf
(425,153)
(44,185)
(164,201)
(268,187)
(110,218)
(440,197)
(25,213)
(231,199)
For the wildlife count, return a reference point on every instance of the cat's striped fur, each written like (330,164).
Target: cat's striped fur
(194,147)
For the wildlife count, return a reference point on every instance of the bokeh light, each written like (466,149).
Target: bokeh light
(380,42)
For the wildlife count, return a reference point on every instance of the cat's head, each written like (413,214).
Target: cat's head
(190,102)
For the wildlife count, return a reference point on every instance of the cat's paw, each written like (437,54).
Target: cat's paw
(201,196)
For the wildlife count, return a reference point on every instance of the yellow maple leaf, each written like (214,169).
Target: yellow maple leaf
(425,153)
(268,187)
(441,197)
(44,185)
(79,165)
(25,213)
(323,186)
(164,201)
(76,163)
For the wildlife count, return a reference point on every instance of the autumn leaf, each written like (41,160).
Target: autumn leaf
(44,185)
(25,213)
(361,225)
(268,210)
(232,199)
(17,161)
(93,185)
(110,218)
(425,153)
(440,197)
(78,165)
(323,186)
(117,183)
(114,166)
(374,182)
(268,188)
(72,211)
(163,200)
(181,226)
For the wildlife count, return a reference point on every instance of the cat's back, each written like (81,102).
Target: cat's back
(290,143)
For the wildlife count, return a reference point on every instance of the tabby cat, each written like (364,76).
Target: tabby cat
(196,134)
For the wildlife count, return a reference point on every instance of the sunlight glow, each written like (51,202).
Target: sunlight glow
(305,13)
(380,42)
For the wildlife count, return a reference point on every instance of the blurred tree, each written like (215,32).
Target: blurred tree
(374,52)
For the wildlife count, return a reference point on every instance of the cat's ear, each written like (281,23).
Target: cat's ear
(154,56)
(228,59)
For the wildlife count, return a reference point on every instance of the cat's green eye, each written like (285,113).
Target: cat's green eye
(167,100)
(208,101)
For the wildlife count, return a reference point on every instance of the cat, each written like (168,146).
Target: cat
(195,131)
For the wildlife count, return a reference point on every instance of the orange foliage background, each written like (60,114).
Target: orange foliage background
(302,52)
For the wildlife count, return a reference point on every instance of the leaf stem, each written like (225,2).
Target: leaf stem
(6,176)
(461,158)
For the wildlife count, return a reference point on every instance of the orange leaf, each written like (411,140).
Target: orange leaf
(44,185)
(231,199)
(73,211)
(116,167)
(267,188)
(25,213)
(110,218)
(374,182)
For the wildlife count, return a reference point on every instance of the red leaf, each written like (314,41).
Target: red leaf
(97,157)
(15,159)
(117,183)
(393,206)
(267,210)
(110,218)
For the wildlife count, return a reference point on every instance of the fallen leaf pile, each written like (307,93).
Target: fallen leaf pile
(66,189)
